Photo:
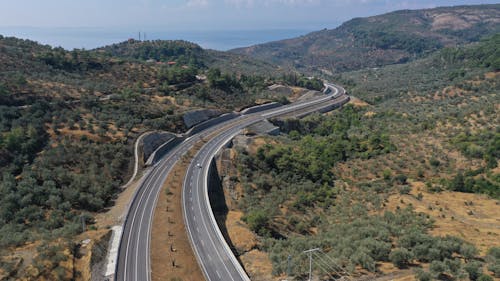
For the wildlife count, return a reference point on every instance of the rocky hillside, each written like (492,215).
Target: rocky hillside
(380,40)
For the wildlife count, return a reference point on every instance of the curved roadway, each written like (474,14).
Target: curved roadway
(212,252)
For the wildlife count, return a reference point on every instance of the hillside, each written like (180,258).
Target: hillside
(391,38)
(68,121)
(187,53)
(403,184)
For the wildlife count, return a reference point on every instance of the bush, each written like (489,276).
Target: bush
(437,267)
(401,257)
(401,179)
(494,252)
(495,268)
(405,189)
(474,270)
(468,251)
(257,221)
(423,275)
(485,277)
(434,162)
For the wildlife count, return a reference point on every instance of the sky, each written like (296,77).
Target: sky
(201,14)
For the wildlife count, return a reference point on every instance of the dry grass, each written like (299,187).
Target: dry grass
(357,102)
(473,217)
(258,266)
(242,238)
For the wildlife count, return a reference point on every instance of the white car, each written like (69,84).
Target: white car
(199,165)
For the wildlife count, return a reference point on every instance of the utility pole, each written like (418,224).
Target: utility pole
(311,260)
(289,266)
(82,219)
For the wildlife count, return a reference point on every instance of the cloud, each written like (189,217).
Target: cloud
(197,3)
(267,3)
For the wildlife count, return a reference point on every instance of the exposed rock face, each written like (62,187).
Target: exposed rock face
(281,89)
(152,141)
(194,117)
(263,127)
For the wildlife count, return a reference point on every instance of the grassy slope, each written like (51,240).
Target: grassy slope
(380,40)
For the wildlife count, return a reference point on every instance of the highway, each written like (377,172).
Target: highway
(211,250)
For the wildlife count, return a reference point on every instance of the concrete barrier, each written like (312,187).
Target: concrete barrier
(171,143)
(163,149)
(259,108)
(328,107)
(154,140)
(212,122)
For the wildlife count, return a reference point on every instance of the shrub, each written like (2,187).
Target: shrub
(401,179)
(258,221)
(468,251)
(405,189)
(437,267)
(485,277)
(495,268)
(401,257)
(494,252)
(423,275)
(474,270)
(434,162)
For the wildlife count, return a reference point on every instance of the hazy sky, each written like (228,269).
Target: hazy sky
(201,14)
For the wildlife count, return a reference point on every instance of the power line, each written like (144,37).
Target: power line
(335,264)
(326,270)
(329,267)
(310,252)
(326,264)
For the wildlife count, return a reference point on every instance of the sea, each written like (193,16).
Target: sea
(93,37)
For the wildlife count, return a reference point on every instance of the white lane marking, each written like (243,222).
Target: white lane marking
(190,170)
(158,184)
(209,211)
(149,221)
(142,188)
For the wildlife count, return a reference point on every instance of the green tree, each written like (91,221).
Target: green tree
(258,221)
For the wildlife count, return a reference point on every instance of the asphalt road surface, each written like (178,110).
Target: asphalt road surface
(212,252)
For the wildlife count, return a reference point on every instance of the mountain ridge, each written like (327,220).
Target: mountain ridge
(394,37)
